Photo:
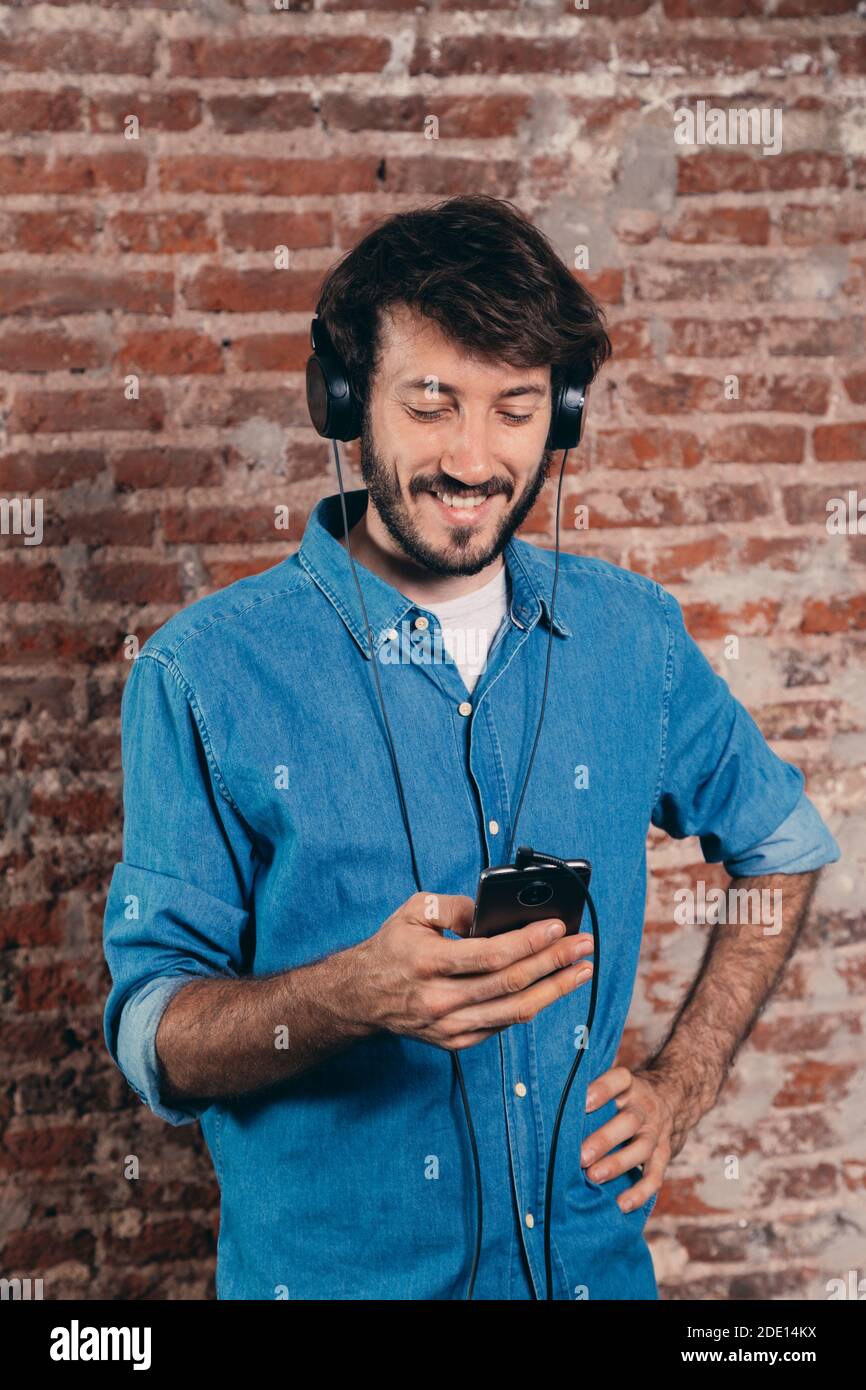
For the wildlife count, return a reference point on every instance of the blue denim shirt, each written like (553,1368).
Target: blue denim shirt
(263,831)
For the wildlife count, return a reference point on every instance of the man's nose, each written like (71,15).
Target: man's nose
(467,456)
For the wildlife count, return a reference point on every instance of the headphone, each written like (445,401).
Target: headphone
(336,413)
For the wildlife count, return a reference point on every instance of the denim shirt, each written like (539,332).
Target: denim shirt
(263,831)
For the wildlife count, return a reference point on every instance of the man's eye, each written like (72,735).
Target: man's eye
(439,414)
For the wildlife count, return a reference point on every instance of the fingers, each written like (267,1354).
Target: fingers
(486,954)
(519,1008)
(495,984)
(595,1146)
(464,1040)
(611,1083)
(630,1156)
(653,1176)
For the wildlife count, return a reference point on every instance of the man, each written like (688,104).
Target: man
(276,974)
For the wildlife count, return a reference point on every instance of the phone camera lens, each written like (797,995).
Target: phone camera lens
(535,893)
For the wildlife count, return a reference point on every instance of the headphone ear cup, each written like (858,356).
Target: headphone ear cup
(330,401)
(566,417)
(333,406)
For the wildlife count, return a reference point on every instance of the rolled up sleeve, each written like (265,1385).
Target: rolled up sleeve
(178,904)
(799,845)
(719,779)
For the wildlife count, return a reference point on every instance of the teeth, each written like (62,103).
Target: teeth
(460,501)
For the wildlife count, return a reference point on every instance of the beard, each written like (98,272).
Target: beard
(460,555)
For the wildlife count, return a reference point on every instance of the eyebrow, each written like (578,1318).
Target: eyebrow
(421,383)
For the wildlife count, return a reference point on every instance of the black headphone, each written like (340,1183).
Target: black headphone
(336,411)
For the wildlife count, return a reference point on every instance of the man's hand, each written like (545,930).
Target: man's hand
(661,1102)
(413,980)
(647,1116)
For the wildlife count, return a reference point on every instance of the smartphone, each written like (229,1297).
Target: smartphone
(508,897)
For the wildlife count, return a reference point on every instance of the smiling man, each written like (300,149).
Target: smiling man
(275,972)
(452,494)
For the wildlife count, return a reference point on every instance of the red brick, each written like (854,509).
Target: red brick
(447,175)
(262,231)
(721,170)
(707,337)
(45,472)
(287,56)
(65,412)
(173,109)
(163,233)
(110,171)
(755,443)
(838,615)
(21,582)
(654,447)
(167,467)
(82,811)
(282,178)
(47,233)
(271,352)
(220,290)
(460,55)
(79,50)
(142,582)
(55,986)
(24,110)
(841,443)
(85,292)
(746,226)
(66,1146)
(215,525)
(175,351)
(236,113)
(30,924)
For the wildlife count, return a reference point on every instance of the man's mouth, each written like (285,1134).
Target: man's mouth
(460,501)
(469,509)
(463,508)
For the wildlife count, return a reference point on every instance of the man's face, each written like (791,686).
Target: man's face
(441,424)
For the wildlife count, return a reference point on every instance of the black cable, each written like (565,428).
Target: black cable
(546,670)
(551,859)
(455,1060)
(566,1090)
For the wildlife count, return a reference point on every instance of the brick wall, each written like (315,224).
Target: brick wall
(734,408)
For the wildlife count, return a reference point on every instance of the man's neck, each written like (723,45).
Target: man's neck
(379,553)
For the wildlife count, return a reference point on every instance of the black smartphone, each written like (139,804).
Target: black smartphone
(508,897)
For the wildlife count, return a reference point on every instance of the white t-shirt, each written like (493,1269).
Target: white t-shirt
(470,624)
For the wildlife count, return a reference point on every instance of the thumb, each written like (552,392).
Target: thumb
(443,911)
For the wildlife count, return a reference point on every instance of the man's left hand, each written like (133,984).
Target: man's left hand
(647,1116)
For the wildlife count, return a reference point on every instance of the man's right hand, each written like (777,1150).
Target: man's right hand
(454,994)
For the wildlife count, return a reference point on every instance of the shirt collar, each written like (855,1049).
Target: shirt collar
(327,563)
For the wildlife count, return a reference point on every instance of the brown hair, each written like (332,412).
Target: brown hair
(481,271)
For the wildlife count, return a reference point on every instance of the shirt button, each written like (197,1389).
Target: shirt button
(520,1089)
(493,827)
(530,1220)
(464,708)
(391,634)
(422,622)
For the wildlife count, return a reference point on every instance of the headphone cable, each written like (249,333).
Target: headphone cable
(539,858)
(455,1060)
